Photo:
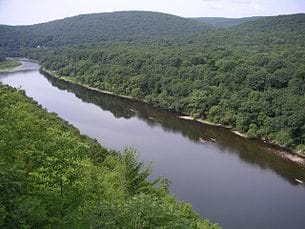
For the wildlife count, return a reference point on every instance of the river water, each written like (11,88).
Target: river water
(235,182)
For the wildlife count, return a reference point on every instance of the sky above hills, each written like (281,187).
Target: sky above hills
(21,12)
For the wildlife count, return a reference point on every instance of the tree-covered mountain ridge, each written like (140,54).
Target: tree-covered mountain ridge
(144,25)
(91,28)
(223,22)
(260,32)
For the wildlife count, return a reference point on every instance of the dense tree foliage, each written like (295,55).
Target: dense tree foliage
(224,22)
(250,81)
(53,177)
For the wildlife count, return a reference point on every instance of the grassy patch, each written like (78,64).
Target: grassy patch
(8,64)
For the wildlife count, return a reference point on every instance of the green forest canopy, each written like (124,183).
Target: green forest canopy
(224,22)
(53,177)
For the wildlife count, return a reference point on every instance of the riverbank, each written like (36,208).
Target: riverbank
(9,65)
(88,87)
(24,64)
(279,150)
(87,166)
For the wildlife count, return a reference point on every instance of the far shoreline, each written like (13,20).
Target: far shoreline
(279,150)
(16,64)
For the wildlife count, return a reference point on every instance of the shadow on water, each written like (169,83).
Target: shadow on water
(251,151)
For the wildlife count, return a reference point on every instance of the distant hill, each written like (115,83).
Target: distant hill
(282,29)
(117,26)
(141,25)
(273,30)
(288,23)
(224,22)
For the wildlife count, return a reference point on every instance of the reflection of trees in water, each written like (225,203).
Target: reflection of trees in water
(252,152)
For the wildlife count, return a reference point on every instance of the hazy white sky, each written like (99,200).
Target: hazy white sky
(21,12)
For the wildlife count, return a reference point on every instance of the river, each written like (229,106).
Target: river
(236,182)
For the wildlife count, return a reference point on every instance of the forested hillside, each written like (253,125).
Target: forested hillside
(252,82)
(90,28)
(53,177)
(262,32)
(224,22)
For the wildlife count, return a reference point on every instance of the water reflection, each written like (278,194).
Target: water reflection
(250,151)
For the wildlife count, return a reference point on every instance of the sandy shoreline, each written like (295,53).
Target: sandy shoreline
(215,124)
(292,156)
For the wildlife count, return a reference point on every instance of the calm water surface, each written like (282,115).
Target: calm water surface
(233,181)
